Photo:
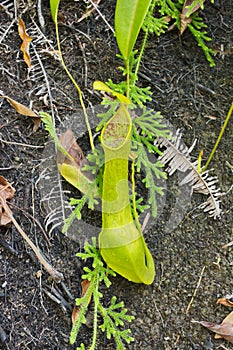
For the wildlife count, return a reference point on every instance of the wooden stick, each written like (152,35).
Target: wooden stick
(57,276)
(195,291)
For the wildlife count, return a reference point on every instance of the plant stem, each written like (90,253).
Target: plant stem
(141,54)
(218,139)
(77,88)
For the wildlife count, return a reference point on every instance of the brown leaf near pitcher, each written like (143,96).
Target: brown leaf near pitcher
(85,286)
(184,20)
(6,192)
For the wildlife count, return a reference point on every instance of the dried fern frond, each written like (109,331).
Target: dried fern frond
(176,156)
(9,7)
(5,30)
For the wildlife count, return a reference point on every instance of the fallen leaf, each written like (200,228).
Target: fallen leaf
(184,20)
(188,3)
(227,320)
(71,167)
(85,287)
(225,302)
(26,42)
(69,143)
(6,192)
(224,330)
(20,108)
(24,110)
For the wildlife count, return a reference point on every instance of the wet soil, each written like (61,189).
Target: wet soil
(194,98)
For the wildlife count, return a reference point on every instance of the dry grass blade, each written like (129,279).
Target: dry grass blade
(5,30)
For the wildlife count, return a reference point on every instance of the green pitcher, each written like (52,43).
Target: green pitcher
(122,245)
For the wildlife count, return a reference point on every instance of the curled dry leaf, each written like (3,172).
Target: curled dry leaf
(224,330)
(185,16)
(85,287)
(184,19)
(188,3)
(225,302)
(6,192)
(26,42)
(24,110)
(71,168)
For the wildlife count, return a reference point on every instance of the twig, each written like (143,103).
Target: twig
(8,246)
(71,297)
(145,222)
(229,244)
(52,297)
(10,167)
(34,219)
(102,16)
(195,291)
(64,303)
(19,144)
(222,347)
(57,276)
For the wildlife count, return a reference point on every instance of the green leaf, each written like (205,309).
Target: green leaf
(129,17)
(54,4)
(99,85)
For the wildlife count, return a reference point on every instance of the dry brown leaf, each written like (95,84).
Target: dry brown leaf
(227,320)
(188,3)
(224,330)
(70,166)
(85,287)
(225,302)
(20,108)
(6,192)
(26,42)
(69,143)
(184,21)
(24,110)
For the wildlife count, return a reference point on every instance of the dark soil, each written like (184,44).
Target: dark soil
(193,97)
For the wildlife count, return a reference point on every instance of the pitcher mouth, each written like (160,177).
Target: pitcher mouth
(118,129)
